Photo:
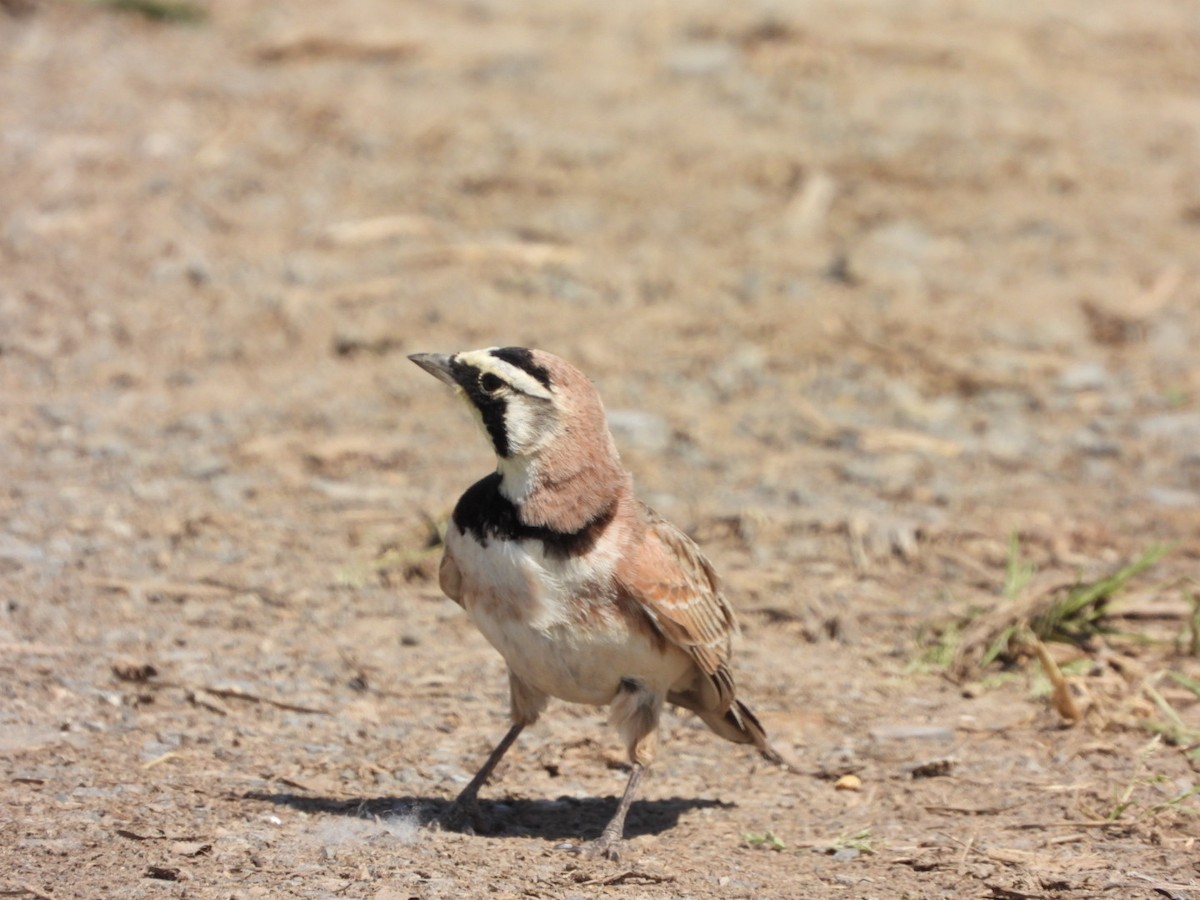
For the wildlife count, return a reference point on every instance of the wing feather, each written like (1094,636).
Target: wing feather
(678,589)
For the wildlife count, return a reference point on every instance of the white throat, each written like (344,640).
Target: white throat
(517,477)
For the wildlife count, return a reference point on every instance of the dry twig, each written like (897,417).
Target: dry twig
(627,876)
(239,694)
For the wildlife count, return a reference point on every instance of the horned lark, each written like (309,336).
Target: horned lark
(588,595)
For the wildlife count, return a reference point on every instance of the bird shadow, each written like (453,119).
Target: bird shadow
(558,819)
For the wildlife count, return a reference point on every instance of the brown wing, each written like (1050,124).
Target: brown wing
(450,578)
(678,589)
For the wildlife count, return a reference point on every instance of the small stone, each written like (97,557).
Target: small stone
(17,550)
(1182,427)
(198,272)
(190,848)
(24,738)
(1085,377)
(128,669)
(1091,442)
(701,59)
(1009,440)
(912,733)
(848,783)
(892,474)
(1174,498)
(933,768)
(899,254)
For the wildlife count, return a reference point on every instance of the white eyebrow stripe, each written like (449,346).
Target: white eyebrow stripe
(517,377)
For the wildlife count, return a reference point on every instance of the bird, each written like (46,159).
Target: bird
(588,594)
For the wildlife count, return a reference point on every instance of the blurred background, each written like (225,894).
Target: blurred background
(894,307)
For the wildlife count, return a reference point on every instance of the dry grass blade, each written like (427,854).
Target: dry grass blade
(1056,608)
(203,699)
(27,889)
(160,10)
(1062,698)
(237,693)
(1165,888)
(309,47)
(1084,607)
(999,892)
(1183,681)
(989,635)
(1193,625)
(1173,728)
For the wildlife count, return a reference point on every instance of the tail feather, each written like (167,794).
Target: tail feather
(739,724)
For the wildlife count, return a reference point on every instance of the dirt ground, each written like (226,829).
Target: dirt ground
(875,293)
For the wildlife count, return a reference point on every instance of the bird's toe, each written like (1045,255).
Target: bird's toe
(604,847)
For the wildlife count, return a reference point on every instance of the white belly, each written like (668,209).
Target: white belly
(529,607)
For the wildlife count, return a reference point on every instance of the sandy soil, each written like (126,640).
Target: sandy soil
(872,290)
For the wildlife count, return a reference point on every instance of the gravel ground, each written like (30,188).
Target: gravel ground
(875,293)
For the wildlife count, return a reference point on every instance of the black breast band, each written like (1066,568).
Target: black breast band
(485,513)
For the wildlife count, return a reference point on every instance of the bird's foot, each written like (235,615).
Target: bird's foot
(607,846)
(604,847)
(464,816)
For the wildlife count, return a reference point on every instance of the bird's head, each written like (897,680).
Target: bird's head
(543,416)
(510,391)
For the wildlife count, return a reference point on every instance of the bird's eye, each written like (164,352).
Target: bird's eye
(490,383)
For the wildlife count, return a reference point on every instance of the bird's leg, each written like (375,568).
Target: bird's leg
(635,712)
(464,811)
(608,844)
(527,704)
